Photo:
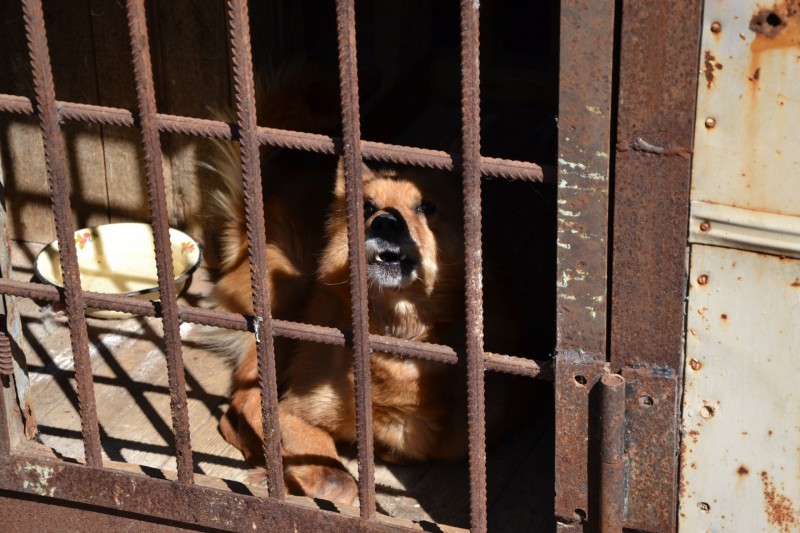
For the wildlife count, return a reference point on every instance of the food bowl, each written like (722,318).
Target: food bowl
(120,259)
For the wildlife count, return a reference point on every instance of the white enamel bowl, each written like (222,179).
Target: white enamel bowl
(120,259)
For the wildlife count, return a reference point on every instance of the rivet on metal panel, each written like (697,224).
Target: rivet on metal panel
(707,411)
(703,506)
(716,27)
(711,122)
(695,364)
(703,279)
(705,226)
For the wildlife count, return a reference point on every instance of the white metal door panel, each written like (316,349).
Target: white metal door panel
(747,143)
(740,454)
(741,428)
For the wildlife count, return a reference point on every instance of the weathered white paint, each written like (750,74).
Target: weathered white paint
(740,460)
(741,407)
(749,86)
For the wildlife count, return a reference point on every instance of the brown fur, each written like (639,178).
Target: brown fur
(419,407)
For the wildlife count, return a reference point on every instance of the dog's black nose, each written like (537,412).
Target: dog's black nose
(387,225)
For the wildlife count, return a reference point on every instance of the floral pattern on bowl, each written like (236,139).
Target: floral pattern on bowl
(120,259)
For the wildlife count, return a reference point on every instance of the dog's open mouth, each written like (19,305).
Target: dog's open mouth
(389,265)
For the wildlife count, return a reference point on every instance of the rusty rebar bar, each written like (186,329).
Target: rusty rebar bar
(294,140)
(56,163)
(507,364)
(244,88)
(156,194)
(612,453)
(351,136)
(6,360)
(471,175)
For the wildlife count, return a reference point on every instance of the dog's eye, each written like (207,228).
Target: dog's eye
(369,209)
(426,208)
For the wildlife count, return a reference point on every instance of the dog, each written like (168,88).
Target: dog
(413,221)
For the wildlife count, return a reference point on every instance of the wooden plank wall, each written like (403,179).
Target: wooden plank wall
(90,54)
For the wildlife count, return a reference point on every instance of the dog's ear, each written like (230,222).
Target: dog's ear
(366,175)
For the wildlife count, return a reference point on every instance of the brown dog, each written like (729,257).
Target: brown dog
(415,270)
(414,244)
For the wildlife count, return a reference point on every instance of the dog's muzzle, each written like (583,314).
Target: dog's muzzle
(392,255)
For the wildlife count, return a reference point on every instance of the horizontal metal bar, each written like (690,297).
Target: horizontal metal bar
(135,495)
(374,151)
(293,330)
(744,229)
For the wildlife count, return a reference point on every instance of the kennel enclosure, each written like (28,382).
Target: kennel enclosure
(671,168)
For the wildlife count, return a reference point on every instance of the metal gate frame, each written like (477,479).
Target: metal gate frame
(627,90)
(617,457)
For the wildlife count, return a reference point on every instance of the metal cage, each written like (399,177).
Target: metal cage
(611,359)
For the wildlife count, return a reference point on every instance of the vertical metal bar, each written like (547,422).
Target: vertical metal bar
(5,426)
(6,362)
(471,174)
(244,86)
(651,191)
(55,160)
(651,213)
(612,453)
(584,125)
(351,136)
(146,99)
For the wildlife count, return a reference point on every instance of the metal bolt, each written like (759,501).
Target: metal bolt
(711,122)
(703,506)
(705,226)
(695,364)
(716,27)
(702,279)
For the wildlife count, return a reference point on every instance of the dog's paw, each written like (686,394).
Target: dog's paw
(324,482)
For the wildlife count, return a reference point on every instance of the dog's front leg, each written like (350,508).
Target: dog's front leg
(311,465)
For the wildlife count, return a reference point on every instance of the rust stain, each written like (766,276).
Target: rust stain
(795,283)
(709,68)
(723,316)
(777,25)
(695,364)
(742,470)
(776,28)
(768,22)
(779,508)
